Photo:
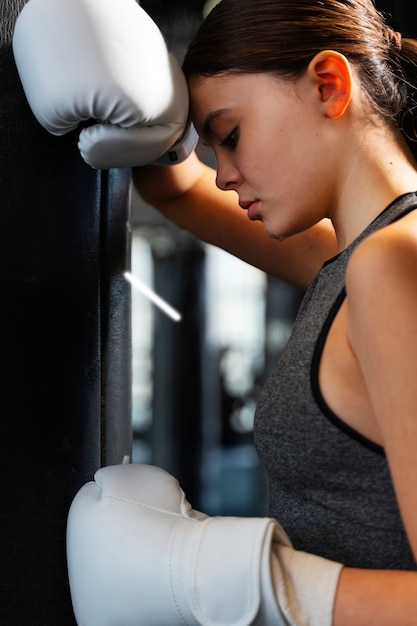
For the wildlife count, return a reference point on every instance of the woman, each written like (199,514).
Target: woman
(309,107)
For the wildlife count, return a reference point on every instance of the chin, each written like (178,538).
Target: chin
(279,236)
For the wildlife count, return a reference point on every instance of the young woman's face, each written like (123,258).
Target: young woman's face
(267,138)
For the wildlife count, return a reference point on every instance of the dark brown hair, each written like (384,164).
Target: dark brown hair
(283,36)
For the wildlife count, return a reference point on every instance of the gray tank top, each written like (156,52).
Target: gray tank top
(329,486)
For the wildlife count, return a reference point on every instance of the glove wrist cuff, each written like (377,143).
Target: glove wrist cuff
(216,569)
(313,580)
(181,149)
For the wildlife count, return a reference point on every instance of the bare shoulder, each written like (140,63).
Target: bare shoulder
(381,284)
(387,259)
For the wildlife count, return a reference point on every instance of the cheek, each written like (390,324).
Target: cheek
(258,159)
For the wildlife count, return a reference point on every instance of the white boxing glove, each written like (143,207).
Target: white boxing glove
(139,555)
(106,63)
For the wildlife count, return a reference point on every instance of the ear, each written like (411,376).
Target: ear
(332,76)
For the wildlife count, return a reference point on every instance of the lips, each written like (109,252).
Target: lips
(251,207)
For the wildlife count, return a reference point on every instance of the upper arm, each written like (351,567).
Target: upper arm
(381,284)
(187,195)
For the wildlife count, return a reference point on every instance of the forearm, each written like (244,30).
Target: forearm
(369,597)
(187,195)
(159,185)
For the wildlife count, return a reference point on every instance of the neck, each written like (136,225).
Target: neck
(374,174)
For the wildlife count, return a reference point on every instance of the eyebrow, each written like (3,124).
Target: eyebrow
(211,117)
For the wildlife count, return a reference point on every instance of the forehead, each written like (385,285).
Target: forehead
(213,97)
(203,87)
(228,82)
(225,90)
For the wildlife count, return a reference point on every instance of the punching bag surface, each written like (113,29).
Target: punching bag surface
(64,343)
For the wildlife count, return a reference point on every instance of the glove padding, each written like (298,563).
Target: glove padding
(139,555)
(103,60)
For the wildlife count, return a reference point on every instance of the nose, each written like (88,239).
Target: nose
(228,176)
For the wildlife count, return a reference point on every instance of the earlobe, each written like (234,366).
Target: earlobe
(332,76)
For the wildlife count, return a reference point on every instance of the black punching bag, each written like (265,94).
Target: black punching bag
(64,343)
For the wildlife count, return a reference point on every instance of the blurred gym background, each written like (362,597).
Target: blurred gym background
(196,382)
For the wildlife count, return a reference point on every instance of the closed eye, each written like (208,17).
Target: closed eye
(231,140)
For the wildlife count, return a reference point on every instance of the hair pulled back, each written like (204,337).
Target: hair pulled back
(282,37)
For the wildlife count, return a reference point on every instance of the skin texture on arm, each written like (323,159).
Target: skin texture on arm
(370,597)
(382,326)
(187,195)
